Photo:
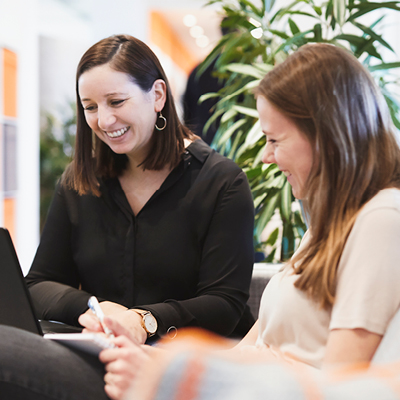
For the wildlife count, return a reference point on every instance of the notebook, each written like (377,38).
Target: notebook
(16,307)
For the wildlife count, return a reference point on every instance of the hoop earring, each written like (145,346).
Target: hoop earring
(164,122)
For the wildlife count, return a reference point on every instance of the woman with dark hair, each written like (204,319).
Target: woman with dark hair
(132,57)
(147,217)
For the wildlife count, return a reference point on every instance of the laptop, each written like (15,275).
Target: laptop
(16,307)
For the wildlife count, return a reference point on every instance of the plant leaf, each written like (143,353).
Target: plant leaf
(254,134)
(384,66)
(213,117)
(339,11)
(228,115)
(366,7)
(288,242)
(264,68)
(258,157)
(293,40)
(318,10)
(207,96)
(268,4)
(251,112)
(248,86)
(373,35)
(369,48)
(235,144)
(318,33)
(255,10)
(259,199)
(286,202)
(361,44)
(282,35)
(273,237)
(271,256)
(245,70)
(229,132)
(293,27)
(266,213)
(284,11)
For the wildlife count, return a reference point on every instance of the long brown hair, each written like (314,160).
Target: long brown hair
(93,158)
(335,102)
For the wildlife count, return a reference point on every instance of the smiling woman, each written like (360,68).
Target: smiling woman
(119,112)
(328,129)
(125,75)
(287,146)
(139,216)
(147,218)
(123,117)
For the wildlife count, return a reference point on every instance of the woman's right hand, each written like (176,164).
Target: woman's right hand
(91,323)
(128,319)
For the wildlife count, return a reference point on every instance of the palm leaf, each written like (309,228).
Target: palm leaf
(242,61)
(244,69)
(373,35)
(366,7)
(384,66)
(339,11)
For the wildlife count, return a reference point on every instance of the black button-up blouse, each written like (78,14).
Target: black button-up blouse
(187,256)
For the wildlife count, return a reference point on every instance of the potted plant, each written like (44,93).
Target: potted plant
(57,140)
(260,36)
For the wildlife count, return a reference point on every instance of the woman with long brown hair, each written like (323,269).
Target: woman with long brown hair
(329,131)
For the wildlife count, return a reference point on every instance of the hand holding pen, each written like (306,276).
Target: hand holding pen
(95,307)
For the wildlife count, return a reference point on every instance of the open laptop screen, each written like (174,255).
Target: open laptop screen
(16,307)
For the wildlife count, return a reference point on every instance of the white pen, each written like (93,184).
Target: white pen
(94,305)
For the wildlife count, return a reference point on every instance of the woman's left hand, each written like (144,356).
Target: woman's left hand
(122,364)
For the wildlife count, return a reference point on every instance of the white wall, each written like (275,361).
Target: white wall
(66,33)
(123,16)
(391,34)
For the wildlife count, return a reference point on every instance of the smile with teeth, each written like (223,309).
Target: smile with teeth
(117,133)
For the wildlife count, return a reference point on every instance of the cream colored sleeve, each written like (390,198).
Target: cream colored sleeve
(368,289)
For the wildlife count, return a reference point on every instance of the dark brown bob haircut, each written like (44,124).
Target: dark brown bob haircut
(339,108)
(93,158)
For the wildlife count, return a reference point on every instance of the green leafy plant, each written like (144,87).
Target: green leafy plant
(261,36)
(56,146)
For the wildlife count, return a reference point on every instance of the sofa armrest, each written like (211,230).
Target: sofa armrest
(262,273)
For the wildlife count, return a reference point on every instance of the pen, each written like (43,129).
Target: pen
(95,307)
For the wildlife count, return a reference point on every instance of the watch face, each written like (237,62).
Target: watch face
(150,323)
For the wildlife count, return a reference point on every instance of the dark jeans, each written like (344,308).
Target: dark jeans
(33,368)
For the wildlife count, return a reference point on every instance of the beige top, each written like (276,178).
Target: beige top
(367,295)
